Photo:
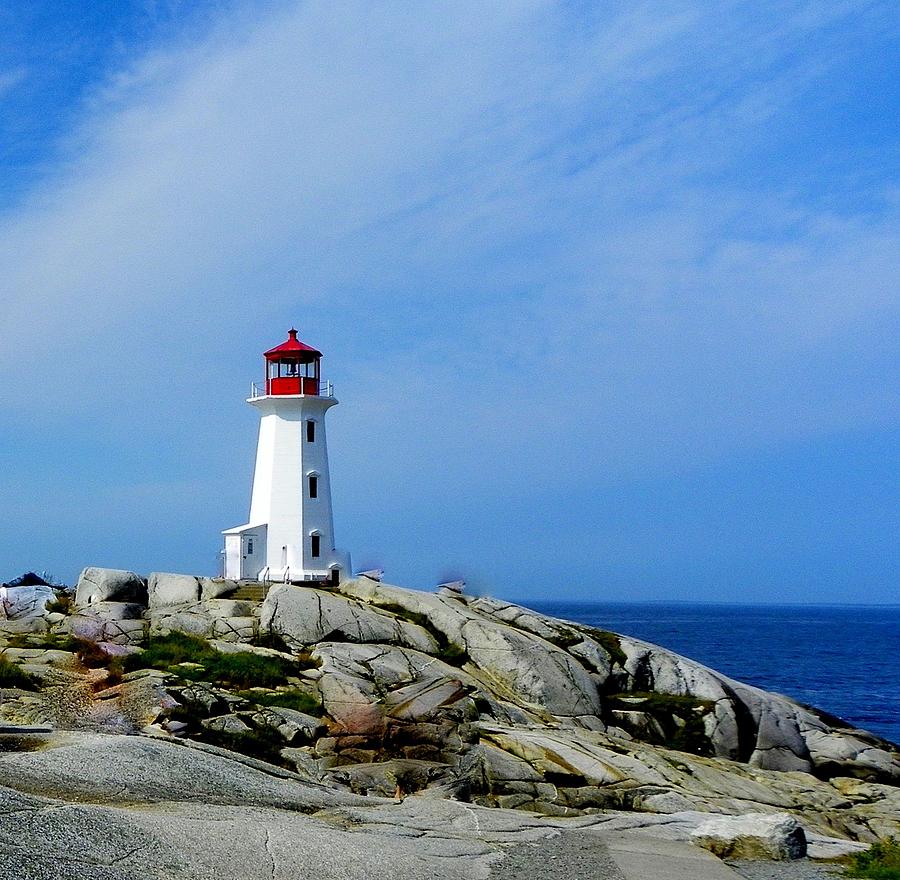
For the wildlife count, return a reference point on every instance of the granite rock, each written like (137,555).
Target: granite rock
(109,585)
(775,836)
(165,589)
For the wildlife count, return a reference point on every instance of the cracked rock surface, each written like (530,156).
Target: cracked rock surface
(439,727)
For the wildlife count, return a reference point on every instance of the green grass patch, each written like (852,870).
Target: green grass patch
(240,670)
(880,862)
(173,648)
(11,676)
(302,701)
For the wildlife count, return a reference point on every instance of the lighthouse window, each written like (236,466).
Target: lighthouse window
(249,546)
(310,431)
(313,487)
(315,541)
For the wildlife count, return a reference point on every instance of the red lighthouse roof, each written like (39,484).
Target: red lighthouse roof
(292,347)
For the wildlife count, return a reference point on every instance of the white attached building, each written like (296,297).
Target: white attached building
(290,533)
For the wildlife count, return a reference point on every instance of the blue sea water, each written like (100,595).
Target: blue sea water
(842,659)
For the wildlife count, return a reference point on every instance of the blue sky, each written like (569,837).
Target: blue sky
(608,291)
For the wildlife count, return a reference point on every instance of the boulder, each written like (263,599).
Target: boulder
(115,610)
(227,647)
(424,698)
(125,632)
(570,758)
(41,656)
(22,603)
(352,704)
(234,629)
(200,697)
(23,626)
(92,628)
(290,724)
(501,766)
(109,584)
(639,724)
(388,778)
(229,724)
(776,836)
(172,589)
(215,588)
(305,763)
(170,620)
(228,608)
(304,616)
(852,753)
(766,730)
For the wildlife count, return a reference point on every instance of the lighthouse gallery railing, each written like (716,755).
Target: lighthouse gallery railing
(326,389)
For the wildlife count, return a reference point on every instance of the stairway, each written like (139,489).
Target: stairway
(250,592)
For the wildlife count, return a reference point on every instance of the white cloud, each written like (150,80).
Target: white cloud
(512,229)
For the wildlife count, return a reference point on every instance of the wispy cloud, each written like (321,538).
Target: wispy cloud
(9,79)
(515,229)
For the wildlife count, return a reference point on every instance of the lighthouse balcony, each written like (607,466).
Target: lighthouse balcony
(286,386)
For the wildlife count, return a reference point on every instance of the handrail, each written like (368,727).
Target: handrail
(326,389)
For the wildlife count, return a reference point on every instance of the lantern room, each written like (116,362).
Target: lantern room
(292,367)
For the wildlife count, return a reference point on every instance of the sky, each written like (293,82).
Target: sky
(608,292)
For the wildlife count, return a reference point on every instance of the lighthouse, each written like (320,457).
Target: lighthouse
(289,535)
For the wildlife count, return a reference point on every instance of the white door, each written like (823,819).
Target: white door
(250,555)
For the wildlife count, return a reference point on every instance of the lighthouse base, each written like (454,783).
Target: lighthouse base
(247,558)
(336,570)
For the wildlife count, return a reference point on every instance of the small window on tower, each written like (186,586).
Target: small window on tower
(310,431)
(315,541)
(313,487)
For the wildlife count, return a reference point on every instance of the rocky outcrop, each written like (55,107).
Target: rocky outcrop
(118,607)
(393,692)
(129,808)
(520,664)
(715,715)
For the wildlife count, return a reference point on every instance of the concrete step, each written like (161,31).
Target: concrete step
(250,592)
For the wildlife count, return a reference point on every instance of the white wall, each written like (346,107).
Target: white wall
(280,496)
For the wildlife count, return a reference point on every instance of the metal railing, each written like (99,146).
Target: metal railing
(326,389)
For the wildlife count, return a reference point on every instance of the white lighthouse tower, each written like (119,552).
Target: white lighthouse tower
(290,533)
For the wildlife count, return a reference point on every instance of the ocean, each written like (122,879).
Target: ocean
(842,659)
